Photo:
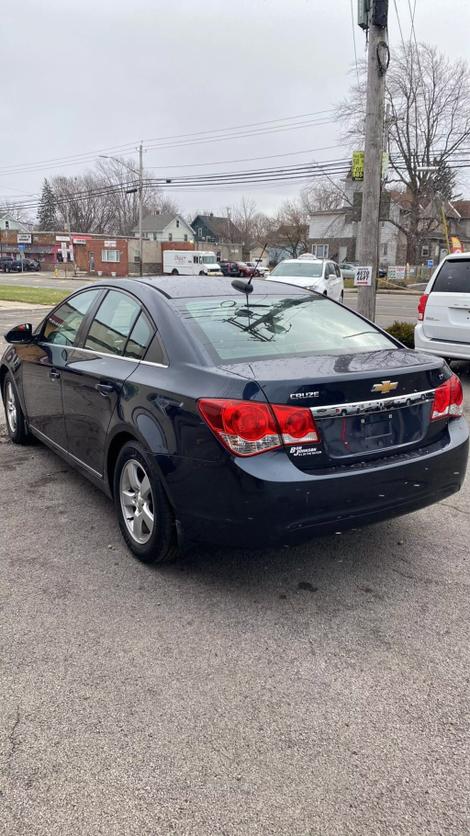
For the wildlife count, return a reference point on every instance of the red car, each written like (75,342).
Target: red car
(238,268)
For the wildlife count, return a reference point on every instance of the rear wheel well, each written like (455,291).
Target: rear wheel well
(116,445)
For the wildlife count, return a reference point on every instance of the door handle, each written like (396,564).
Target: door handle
(105,389)
(54,374)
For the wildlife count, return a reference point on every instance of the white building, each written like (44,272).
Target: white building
(166,227)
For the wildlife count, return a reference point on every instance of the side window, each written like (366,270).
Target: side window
(331,269)
(338,271)
(113,323)
(63,324)
(139,339)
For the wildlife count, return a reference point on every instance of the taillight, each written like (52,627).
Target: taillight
(247,428)
(422,306)
(448,400)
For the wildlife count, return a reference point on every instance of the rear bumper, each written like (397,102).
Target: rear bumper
(266,501)
(440,348)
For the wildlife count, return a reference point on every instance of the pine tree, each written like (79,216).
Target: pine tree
(47,218)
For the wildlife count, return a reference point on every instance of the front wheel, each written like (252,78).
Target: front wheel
(202,273)
(16,424)
(145,517)
(174,272)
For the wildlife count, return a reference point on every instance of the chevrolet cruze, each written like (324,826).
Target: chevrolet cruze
(244,416)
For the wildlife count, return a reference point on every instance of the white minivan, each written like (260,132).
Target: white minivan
(190,263)
(444,310)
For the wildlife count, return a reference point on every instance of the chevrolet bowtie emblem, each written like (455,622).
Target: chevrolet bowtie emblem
(385,386)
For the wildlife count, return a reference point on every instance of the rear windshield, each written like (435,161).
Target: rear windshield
(309,269)
(272,326)
(453,277)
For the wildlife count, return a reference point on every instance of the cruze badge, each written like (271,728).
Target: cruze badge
(298,396)
(385,386)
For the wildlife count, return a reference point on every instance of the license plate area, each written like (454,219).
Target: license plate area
(354,435)
(376,426)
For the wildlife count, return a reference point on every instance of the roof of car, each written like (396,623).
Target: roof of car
(179,287)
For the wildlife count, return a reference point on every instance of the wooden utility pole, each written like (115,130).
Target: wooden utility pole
(377,63)
(141,207)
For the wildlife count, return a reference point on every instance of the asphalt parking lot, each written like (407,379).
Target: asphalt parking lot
(321,689)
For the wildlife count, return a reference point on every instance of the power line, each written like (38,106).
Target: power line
(399,25)
(354,41)
(211,134)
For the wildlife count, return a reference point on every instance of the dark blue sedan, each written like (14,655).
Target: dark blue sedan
(210,414)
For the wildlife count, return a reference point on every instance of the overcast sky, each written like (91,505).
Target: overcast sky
(83,76)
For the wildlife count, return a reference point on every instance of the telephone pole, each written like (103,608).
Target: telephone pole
(377,63)
(141,207)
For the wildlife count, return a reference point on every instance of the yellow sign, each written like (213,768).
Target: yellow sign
(357,168)
(455,244)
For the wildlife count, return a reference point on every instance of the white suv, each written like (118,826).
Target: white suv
(312,273)
(444,310)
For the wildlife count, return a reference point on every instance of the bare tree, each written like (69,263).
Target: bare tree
(322,196)
(292,227)
(428,97)
(255,226)
(106,199)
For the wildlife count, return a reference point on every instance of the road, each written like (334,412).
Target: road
(315,690)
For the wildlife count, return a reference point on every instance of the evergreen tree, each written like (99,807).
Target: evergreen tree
(47,218)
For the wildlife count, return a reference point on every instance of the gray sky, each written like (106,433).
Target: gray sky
(80,76)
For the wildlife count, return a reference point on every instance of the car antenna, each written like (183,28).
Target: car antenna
(247,287)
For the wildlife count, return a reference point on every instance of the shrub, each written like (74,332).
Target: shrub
(403,331)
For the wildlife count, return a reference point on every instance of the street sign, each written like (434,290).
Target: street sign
(21,247)
(363,277)
(430,262)
(23,238)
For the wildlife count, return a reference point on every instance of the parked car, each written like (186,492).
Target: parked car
(348,269)
(5,263)
(238,268)
(444,310)
(254,421)
(25,265)
(311,273)
(257,268)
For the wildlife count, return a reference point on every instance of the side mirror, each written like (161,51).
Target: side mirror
(21,335)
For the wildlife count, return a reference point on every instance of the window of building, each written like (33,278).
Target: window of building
(63,324)
(321,250)
(177,223)
(170,236)
(113,323)
(7,224)
(425,250)
(110,255)
(185,237)
(199,231)
(385,248)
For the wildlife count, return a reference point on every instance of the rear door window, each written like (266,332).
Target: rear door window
(272,327)
(113,323)
(453,277)
(139,339)
(63,325)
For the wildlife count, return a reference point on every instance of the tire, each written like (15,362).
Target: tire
(144,514)
(202,273)
(16,423)
(174,272)
(342,297)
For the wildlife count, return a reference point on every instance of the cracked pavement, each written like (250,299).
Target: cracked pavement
(322,689)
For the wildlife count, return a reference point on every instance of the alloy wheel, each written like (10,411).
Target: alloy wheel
(12,415)
(136,497)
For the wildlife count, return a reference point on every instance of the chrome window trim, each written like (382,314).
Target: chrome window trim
(368,407)
(105,354)
(63,450)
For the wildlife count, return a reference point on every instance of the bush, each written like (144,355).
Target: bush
(403,331)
